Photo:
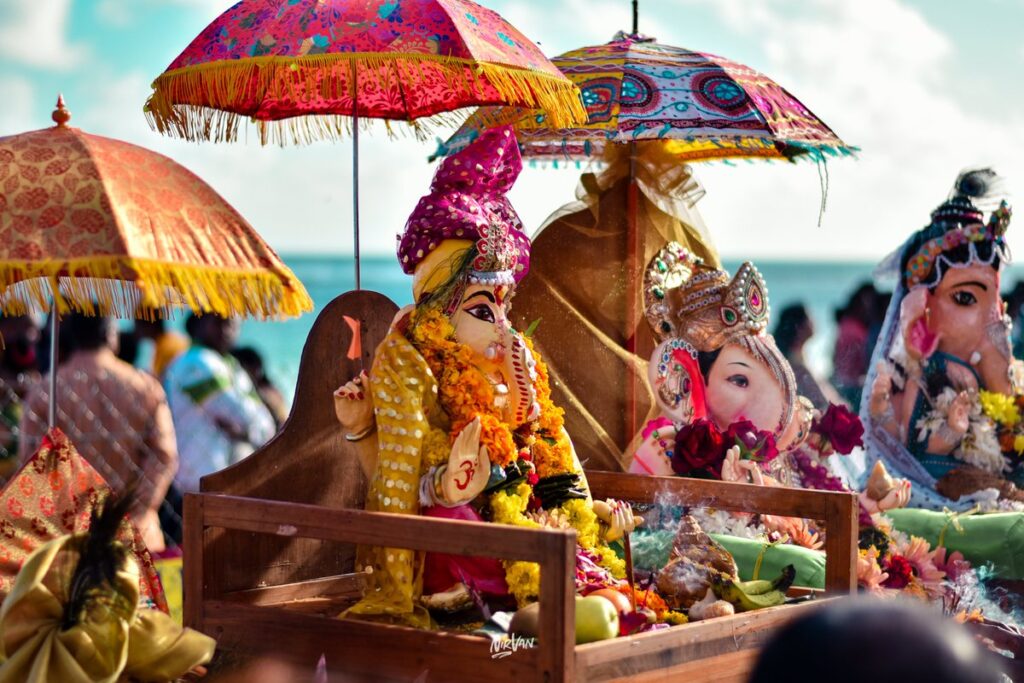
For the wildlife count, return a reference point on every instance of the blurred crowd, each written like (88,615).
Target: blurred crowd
(150,408)
(858,324)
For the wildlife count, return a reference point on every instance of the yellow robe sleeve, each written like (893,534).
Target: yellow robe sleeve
(403,391)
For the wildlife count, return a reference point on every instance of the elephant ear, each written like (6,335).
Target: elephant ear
(920,340)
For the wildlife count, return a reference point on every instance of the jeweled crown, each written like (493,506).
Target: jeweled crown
(685,299)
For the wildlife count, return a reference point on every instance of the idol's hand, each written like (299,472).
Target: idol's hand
(619,517)
(743,471)
(896,498)
(881,392)
(958,417)
(353,405)
(469,467)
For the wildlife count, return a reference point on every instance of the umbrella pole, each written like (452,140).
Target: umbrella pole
(633,266)
(636,17)
(355,190)
(52,414)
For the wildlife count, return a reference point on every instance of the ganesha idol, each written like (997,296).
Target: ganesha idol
(716,363)
(944,400)
(455,419)
(714,359)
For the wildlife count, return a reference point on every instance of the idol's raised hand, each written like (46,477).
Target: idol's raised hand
(353,405)
(469,467)
(618,515)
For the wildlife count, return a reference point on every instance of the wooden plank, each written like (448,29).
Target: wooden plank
(649,652)
(329,587)
(309,461)
(730,668)
(557,632)
(368,650)
(456,537)
(192,570)
(733,497)
(841,544)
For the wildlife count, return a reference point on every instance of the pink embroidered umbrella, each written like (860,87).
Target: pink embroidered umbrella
(333,61)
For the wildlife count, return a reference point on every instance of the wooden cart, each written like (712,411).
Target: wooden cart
(269,555)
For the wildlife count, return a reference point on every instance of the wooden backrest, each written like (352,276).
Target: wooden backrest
(309,461)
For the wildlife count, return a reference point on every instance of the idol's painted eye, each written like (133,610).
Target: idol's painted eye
(481,312)
(964,298)
(738,380)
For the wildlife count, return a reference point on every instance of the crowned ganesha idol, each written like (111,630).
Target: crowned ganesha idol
(727,395)
(714,360)
(945,398)
(465,428)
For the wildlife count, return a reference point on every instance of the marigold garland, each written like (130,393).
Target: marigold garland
(465,393)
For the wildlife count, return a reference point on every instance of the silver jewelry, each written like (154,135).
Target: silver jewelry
(361,435)
(948,434)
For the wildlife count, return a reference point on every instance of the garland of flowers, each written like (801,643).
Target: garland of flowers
(980,445)
(465,393)
(1005,411)
(552,451)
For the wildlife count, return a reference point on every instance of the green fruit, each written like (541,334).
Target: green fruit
(596,619)
(733,592)
(759,587)
(751,595)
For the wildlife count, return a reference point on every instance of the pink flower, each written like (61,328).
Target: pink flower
(870,576)
(954,565)
(921,558)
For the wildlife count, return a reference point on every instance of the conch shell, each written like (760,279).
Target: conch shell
(879,483)
(695,559)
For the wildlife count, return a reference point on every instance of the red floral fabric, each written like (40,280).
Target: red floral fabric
(53,495)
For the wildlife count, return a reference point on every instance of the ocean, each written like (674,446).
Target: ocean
(821,286)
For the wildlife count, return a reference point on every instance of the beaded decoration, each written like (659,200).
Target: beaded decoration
(929,255)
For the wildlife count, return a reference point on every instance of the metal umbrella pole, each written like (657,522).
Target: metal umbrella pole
(52,414)
(355,168)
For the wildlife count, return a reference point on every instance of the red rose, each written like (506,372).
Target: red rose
(699,450)
(840,428)
(899,570)
(754,443)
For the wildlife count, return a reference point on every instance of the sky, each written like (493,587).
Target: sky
(923,87)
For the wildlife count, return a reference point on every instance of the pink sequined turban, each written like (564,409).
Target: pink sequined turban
(467,202)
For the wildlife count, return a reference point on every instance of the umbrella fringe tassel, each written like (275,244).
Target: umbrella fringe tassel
(203,101)
(142,288)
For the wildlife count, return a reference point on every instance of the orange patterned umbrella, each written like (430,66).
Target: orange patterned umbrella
(91,221)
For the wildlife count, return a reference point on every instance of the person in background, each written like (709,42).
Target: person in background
(850,360)
(166,344)
(861,640)
(252,362)
(19,369)
(116,415)
(1015,308)
(218,414)
(793,330)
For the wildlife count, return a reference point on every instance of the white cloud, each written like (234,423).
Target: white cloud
(17,94)
(34,33)
(874,71)
(115,13)
(123,13)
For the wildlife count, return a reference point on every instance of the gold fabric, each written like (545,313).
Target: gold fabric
(111,637)
(408,415)
(54,494)
(582,284)
(83,215)
(438,266)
